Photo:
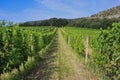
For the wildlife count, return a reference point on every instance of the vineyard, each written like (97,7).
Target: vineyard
(103,51)
(92,52)
(22,48)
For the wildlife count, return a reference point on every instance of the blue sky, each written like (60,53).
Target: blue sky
(29,10)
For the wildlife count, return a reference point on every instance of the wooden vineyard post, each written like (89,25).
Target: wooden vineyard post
(68,39)
(31,38)
(86,49)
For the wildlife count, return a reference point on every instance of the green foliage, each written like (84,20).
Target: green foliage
(77,38)
(94,23)
(105,48)
(2,23)
(16,44)
(57,22)
(109,44)
(10,24)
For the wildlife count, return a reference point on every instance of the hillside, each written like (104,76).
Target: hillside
(109,13)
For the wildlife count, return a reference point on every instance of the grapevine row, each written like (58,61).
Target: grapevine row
(103,49)
(17,44)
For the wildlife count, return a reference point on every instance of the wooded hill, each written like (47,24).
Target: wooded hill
(96,21)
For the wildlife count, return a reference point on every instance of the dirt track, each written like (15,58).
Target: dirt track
(60,64)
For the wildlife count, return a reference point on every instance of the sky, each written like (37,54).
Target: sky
(30,10)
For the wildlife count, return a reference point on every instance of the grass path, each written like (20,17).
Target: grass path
(47,69)
(60,64)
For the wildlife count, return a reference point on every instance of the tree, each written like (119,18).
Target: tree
(58,22)
(2,23)
(53,21)
(10,24)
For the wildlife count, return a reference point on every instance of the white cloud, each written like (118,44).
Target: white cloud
(59,5)
(46,9)
(52,8)
(2,13)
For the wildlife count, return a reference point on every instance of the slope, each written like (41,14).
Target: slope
(109,13)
